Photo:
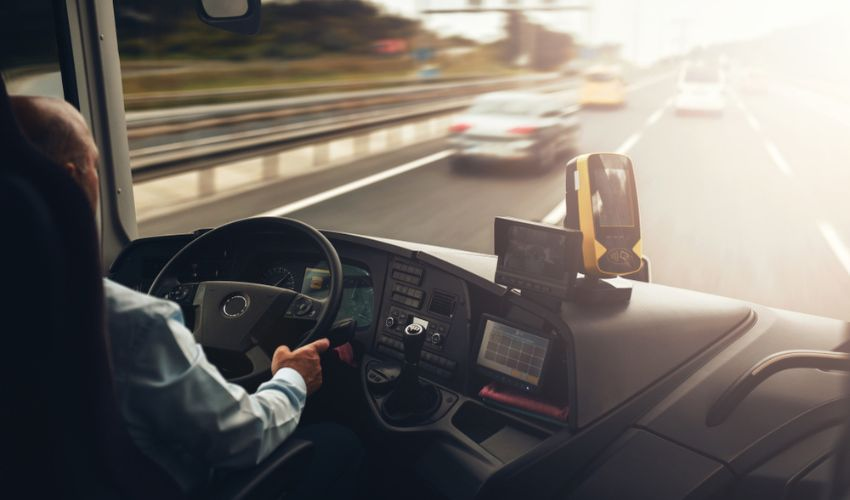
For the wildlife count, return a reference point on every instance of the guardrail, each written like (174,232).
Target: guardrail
(257,91)
(140,122)
(323,118)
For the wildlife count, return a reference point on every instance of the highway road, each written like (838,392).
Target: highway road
(751,204)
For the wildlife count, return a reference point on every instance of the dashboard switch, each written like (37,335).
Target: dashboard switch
(436,338)
(302,306)
(389,322)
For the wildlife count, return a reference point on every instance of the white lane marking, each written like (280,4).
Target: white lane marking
(654,117)
(771,148)
(777,158)
(629,143)
(753,121)
(751,118)
(355,185)
(834,241)
(557,214)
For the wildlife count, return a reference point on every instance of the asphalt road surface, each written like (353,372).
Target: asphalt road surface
(752,204)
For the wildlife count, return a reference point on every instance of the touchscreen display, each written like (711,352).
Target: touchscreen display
(358,294)
(535,252)
(513,352)
(611,193)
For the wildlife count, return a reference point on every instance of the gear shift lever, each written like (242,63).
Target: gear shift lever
(414,338)
(412,399)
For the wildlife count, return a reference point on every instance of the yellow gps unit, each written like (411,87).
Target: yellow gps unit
(601,198)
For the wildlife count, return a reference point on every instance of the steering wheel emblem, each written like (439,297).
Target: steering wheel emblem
(235,306)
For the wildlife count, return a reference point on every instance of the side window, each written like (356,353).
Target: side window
(29,54)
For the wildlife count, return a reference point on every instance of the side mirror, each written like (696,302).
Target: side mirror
(238,16)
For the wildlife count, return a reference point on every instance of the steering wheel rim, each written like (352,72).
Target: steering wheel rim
(267,298)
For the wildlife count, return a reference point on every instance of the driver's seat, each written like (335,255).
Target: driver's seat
(62,433)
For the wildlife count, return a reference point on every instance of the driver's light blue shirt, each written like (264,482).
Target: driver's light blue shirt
(179,409)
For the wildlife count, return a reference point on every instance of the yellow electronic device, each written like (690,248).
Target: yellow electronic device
(602,203)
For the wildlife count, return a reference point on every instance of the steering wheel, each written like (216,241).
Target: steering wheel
(236,317)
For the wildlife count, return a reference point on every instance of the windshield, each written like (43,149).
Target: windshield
(350,116)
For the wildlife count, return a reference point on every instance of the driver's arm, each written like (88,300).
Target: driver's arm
(177,405)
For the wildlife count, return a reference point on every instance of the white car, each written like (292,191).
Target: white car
(524,128)
(702,89)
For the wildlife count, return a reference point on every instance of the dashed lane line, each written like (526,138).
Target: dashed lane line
(557,214)
(772,151)
(777,158)
(833,240)
(629,143)
(654,117)
(754,123)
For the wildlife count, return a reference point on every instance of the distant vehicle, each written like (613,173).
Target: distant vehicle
(701,90)
(603,86)
(514,127)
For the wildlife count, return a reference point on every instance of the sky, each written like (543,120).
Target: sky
(647,29)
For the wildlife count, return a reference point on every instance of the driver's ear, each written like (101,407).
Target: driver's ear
(72,169)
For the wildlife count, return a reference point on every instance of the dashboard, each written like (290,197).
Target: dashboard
(629,380)
(267,260)
(306,275)
(385,290)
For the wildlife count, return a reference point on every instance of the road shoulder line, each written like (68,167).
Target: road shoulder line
(355,185)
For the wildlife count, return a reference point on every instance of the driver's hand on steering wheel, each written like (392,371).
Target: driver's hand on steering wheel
(304,360)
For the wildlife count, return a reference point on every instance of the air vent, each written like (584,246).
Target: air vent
(442,303)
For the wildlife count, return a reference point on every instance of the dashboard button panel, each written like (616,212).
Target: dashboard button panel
(429,362)
(436,331)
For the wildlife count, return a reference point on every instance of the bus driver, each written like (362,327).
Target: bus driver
(178,408)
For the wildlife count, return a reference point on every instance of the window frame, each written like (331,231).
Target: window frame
(92,74)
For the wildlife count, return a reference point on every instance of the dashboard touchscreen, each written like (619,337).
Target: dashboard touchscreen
(358,295)
(515,354)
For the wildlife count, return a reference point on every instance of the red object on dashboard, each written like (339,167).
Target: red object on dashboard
(510,397)
(459,127)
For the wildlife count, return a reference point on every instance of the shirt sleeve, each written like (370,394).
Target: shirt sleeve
(177,391)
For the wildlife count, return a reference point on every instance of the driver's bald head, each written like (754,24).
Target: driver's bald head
(59,131)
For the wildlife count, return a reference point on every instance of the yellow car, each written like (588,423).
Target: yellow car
(603,87)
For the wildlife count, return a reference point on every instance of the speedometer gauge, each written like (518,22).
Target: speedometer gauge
(279,276)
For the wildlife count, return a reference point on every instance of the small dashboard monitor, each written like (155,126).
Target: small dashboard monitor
(536,257)
(511,354)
